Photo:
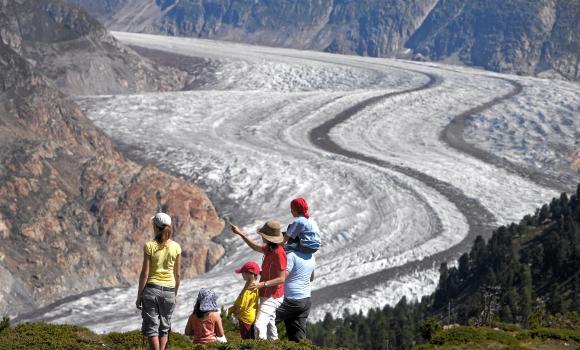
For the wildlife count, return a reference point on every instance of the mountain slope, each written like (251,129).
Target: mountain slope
(368,27)
(529,265)
(516,36)
(73,212)
(77,53)
(526,274)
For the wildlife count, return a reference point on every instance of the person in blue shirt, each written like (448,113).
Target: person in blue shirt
(297,288)
(302,234)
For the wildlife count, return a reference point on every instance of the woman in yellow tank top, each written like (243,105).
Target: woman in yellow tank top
(159,282)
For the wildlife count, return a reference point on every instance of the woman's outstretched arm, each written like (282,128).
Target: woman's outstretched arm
(142,280)
(255,246)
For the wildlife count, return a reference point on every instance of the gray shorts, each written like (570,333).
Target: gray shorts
(156,312)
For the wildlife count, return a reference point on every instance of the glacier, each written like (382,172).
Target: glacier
(392,196)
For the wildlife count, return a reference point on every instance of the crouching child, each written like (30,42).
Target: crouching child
(205,324)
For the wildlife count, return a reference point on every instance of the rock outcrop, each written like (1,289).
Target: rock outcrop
(74,50)
(364,27)
(74,213)
(516,36)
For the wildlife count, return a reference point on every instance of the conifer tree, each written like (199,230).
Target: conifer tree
(526,291)
(576,294)
(544,214)
(525,273)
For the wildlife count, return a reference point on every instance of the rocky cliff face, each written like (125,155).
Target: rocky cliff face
(74,213)
(518,36)
(365,27)
(76,52)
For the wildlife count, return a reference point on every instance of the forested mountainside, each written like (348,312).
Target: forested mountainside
(74,50)
(524,274)
(74,213)
(516,36)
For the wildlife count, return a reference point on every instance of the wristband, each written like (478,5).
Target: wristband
(266,284)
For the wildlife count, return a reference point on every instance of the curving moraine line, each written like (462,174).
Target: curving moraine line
(453,133)
(480,219)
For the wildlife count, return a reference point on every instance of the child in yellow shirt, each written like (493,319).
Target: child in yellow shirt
(246,305)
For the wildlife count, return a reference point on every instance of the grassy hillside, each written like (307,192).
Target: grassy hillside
(508,337)
(66,337)
(42,336)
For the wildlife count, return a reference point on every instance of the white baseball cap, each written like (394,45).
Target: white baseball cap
(161,220)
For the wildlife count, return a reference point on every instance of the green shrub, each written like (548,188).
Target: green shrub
(429,328)
(4,324)
(523,336)
(515,347)
(135,340)
(508,327)
(259,345)
(556,334)
(501,337)
(538,318)
(124,341)
(471,335)
(458,336)
(42,336)
(179,341)
(570,320)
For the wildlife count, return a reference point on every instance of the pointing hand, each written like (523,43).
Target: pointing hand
(236,230)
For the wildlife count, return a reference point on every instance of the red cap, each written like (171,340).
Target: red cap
(250,267)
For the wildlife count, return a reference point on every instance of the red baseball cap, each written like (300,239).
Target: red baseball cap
(250,267)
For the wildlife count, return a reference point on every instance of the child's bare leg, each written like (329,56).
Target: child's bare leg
(153,343)
(163,342)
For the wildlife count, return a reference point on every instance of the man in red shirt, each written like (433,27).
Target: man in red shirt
(272,277)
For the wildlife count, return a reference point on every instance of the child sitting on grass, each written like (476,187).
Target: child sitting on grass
(246,305)
(205,323)
(302,234)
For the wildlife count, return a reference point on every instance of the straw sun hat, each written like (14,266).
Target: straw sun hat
(271,232)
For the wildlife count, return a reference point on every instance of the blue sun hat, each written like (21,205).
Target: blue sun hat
(207,300)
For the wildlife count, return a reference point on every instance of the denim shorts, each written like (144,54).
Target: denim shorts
(157,308)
